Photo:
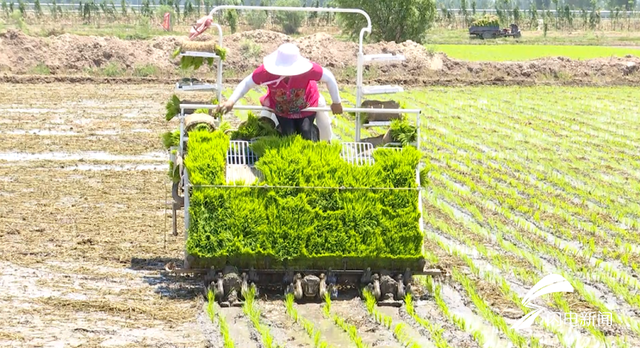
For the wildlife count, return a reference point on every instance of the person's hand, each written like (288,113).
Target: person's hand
(225,107)
(336,108)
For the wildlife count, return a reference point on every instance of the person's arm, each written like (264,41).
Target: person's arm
(242,88)
(332,85)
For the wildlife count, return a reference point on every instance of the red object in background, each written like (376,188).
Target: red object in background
(166,24)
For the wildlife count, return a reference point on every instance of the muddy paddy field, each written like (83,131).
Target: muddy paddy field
(86,232)
(85,228)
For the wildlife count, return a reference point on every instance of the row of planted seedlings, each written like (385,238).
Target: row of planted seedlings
(533,158)
(566,136)
(399,329)
(551,201)
(610,281)
(575,170)
(443,106)
(526,267)
(464,177)
(314,334)
(440,224)
(494,193)
(614,118)
(350,329)
(595,193)
(482,210)
(547,187)
(216,316)
(558,205)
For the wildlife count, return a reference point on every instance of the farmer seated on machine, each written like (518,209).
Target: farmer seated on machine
(292,87)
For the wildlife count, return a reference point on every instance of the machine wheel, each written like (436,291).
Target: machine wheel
(175,192)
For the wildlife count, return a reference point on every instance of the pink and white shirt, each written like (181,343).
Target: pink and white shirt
(288,95)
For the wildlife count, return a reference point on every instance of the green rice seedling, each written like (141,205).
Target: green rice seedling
(231,225)
(313,333)
(224,327)
(254,316)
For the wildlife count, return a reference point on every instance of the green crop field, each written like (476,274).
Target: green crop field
(507,52)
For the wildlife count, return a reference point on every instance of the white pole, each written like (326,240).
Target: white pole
(313,109)
(301,9)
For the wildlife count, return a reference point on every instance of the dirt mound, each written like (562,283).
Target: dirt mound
(71,55)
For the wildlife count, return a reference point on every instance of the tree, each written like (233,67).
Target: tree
(391,20)
(292,20)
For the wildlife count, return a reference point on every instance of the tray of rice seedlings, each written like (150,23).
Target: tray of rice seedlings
(308,220)
(193,54)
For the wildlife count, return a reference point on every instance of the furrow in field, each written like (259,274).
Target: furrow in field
(496,254)
(474,152)
(330,333)
(471,133)
(363,330)
(241,331)
(541,153)
(553,254)
(274,316)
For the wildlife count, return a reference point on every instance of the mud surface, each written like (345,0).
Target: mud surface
(69,57)
(86,232)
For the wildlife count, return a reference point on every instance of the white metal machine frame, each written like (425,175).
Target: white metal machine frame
(354,152)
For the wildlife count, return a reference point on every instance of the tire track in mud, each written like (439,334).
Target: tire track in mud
(330,332)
